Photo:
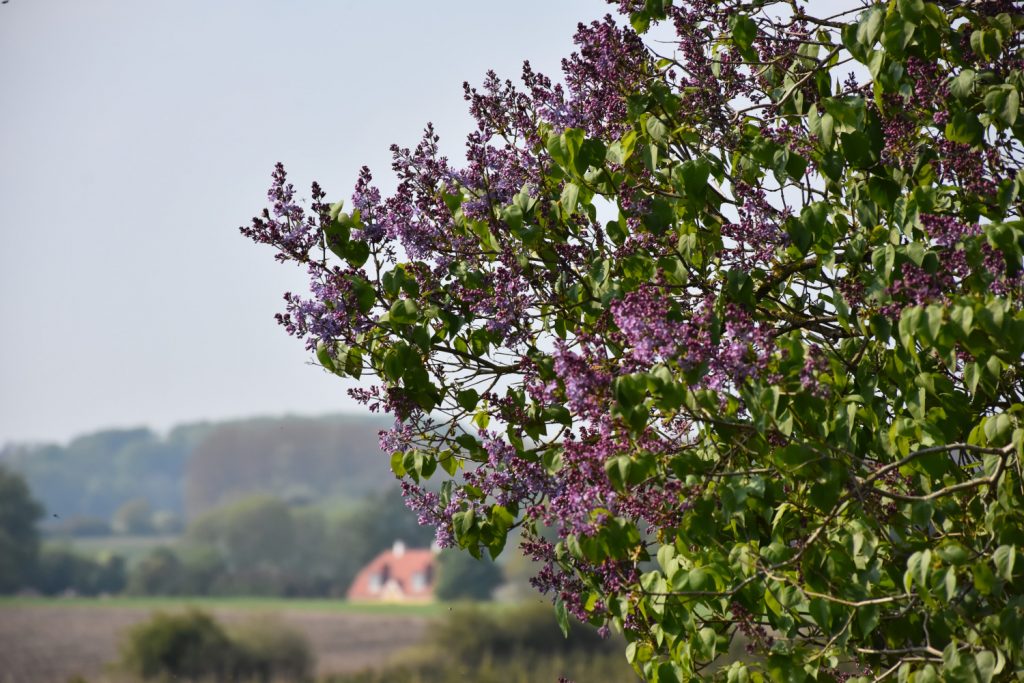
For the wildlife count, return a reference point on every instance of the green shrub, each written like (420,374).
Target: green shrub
(193,646)
(189,645)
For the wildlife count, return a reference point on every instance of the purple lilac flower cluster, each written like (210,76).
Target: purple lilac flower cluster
(366,200)
(286,225)
(612,61)
(643,318)
(757,234)
(586,384)
(916,286)
(745,349)
(815,364)
(507,478)
(429,512)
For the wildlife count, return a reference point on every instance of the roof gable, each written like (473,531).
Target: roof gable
(405,574)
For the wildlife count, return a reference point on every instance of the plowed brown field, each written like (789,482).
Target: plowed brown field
(51,642)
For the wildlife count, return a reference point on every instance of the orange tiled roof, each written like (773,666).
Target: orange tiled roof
(396,574)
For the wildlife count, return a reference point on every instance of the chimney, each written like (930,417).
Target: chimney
(398,549)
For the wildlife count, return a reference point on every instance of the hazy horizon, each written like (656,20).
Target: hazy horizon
(355,412)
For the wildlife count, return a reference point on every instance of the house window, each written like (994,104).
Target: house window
(419,581)
(378,579)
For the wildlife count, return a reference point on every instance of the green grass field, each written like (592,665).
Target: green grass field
(241,603)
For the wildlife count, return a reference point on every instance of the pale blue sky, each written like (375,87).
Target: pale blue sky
(135,137)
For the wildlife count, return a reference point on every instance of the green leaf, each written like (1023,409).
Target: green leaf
(972,375)
(867,619)
(501,517)
(963,319)
(354,362)
(615,232)
(335,211)
(640,21)
(820,612)
(706,641)
(987,665)
(984,579)
(656,129)
(744,30)
(630,390)
(562,616)
(964,128)
(826,127)
(997,429)
(987,43)
(911,9)
(1003,558)
(393,365)
(799,235)
(962,86)
(649,154)
(570,197)
(815,219)
(667,559)
(323,356)
(404,311)
(918,566)
(336,232)
(356,253)
(397,466)
(513,217)
(953,553)
(468,398)
(910,321)
(669,672)
(1003,103)
(697,579)
(559,414)
(617,469)
(692,177)
(563,148)
(930,325)
(464,521)
(449,462)
(897,33)
(869,28)
(365,296)
(737,673)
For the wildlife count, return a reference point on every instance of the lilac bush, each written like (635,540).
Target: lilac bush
(727,331)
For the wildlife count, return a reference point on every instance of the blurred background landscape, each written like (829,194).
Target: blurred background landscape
(243,539)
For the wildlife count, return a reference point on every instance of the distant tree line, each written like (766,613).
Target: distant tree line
(257,545)
(260,545)
(95,474)
(86,484)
